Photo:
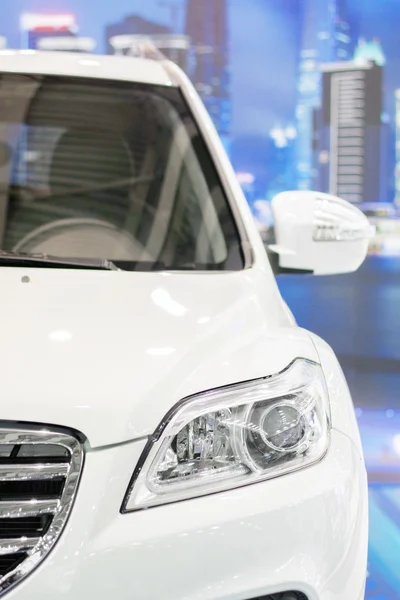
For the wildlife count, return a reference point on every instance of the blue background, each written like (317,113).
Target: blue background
(358,315)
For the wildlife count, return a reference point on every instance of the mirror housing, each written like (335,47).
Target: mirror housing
(318,233)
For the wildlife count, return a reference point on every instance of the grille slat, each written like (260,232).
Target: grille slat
(28,527)
(27,508)
(39,475)
(12,546)
(28,472)
(9,562)
(32,489)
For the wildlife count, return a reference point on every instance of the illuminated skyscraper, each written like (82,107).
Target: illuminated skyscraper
(206,25)
(348,131)
(397,168)
(326,37)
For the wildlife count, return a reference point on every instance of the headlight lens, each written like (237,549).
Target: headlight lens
(234,436)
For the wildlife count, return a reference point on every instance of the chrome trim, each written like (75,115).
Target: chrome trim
(18,545)
(27,508)
(68,467)
(29,472)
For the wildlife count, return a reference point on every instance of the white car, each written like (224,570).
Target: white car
(167,431)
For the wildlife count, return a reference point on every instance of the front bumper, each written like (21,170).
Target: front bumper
(306,532)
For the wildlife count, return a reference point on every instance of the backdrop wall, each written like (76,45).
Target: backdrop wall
(305,94)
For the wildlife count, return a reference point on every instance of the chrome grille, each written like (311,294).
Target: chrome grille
(39,475)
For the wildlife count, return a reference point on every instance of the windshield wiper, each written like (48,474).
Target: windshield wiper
(160,265)
(46,261)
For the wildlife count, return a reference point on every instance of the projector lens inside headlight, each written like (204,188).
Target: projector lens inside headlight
(283,428)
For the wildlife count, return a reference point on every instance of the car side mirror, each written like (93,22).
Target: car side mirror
(318,233)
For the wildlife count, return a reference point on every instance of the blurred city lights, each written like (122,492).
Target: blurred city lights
(282,136)
(245,178)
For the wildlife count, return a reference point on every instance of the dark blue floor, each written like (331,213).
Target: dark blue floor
(359,316)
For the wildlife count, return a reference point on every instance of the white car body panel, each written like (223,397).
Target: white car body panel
(343,415)
(303,532)
(112,374)
(110,353)
(70,64)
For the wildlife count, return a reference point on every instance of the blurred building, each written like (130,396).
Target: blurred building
(131,25)
(129,34)
(348,131)
(326,37)
(397,167)
(37,26)
(3,42)
(67,43)
(207,27)
(174,47)
(386,178)
(372,51)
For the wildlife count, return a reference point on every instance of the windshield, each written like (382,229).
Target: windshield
(109,170)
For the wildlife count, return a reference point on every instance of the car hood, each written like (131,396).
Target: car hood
(110,353)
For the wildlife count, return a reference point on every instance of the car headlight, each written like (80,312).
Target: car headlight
(235,436)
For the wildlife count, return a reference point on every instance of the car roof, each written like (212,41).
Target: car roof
(72,64)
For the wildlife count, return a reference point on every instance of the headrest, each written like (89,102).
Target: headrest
(85,157)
